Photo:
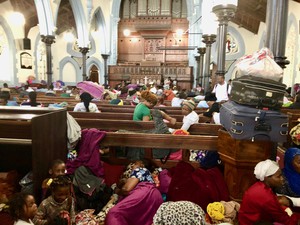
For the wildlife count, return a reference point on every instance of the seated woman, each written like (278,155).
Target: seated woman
(291,173)
(260,203)
(190,117)
(140,201)
(142,110)
(32,100)
(86,105)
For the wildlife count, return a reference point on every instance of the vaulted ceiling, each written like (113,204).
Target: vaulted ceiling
(249,14)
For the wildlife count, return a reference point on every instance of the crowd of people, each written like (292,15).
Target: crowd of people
(137,199)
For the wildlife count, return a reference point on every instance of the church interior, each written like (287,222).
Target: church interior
(84,133)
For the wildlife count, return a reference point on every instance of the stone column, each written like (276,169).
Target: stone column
(208,40)
(276,23)
(201,51)
(224,14)
(84,51)
(48,40)
(197,58)
(106,80)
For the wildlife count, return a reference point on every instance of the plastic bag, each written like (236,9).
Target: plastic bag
(26,183)
(260,64)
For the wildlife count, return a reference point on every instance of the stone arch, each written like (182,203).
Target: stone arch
(63,62)
(101,27)
(44,12)
(91,61)
(81,23)
(12,52)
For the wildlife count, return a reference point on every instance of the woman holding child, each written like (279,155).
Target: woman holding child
(260,203)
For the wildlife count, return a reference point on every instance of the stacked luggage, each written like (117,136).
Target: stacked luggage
(253,112)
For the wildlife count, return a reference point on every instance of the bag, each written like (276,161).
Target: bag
(295,134)
(258,92)
(90,191)
(246,123)
(260,64)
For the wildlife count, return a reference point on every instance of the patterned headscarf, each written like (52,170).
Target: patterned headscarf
(292,176)
(180,212)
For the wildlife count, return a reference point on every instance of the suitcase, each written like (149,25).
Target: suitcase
(247,123)
(258,92)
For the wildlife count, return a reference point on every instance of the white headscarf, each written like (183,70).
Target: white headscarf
(265,168)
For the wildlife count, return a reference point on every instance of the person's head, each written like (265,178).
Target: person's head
(229,81)
(150,100)
(292,160)
(144,163)
(32,98)
(179,212)
(160,100)
(188,107)
(131,92)
(182,95)
(5,85)
(61,188)
(58,167)
(106,96)
(86,98)
(124,90)
(269,172)
(220,79)
(51,87)
(22,206)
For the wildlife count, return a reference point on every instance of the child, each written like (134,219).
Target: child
(59,207)
(22,208)
(58,167)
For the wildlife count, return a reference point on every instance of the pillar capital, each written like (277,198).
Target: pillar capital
(209,39)
(84,50)
(224,12)
(48,39)
(105,56)
(201,50)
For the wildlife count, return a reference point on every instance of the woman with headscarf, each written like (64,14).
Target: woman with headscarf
(180,212)
(86,105)
(260,203)
(291,173)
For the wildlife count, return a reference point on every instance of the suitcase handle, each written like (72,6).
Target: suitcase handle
(262,126)
(267,102)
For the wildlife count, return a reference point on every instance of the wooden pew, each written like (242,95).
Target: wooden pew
(30,139)
(121,116)
(114,125)
(161,141)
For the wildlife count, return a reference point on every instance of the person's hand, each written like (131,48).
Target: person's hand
(283,200)
(173,121)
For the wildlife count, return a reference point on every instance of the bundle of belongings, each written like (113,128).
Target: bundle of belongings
(222,211)
(253,112)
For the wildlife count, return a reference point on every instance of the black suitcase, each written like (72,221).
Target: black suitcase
(258,92)
(247,123)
